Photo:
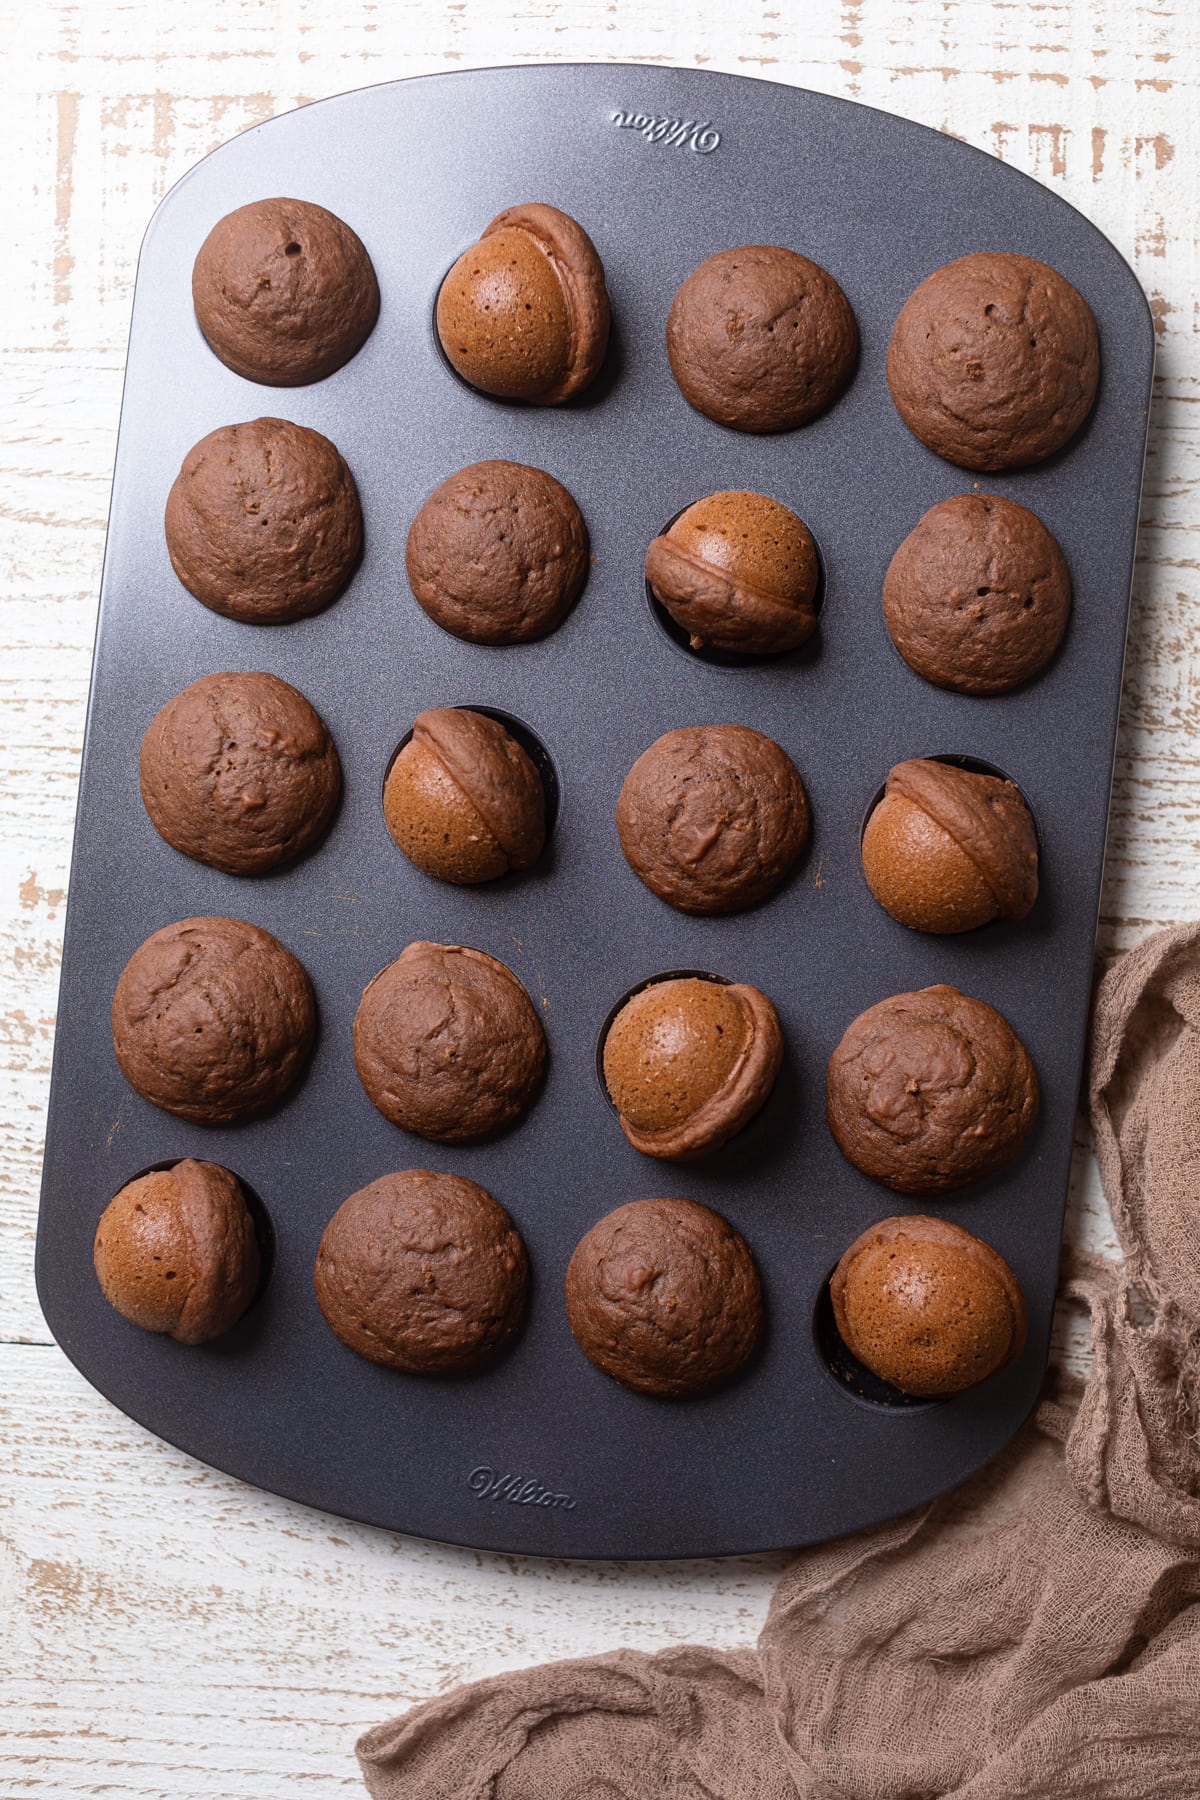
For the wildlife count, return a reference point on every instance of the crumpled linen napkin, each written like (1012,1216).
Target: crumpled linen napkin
(1034,1635)
(1135,1446)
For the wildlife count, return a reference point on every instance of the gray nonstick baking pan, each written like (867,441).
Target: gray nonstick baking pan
(542,1453)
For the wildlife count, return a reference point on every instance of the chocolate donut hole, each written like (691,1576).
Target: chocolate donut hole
(264,1229)
(594,387)
(640,988)
(851,1377)
(534,749)
(735,659)
(974,765)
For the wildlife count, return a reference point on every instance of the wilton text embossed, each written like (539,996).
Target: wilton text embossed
(695,135)
(519,1490)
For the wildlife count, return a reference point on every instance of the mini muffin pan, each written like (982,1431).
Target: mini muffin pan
(542,1453)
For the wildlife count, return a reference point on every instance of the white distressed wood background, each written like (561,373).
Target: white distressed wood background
(164,1630)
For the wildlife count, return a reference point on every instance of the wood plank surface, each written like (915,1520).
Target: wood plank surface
(163,1629)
